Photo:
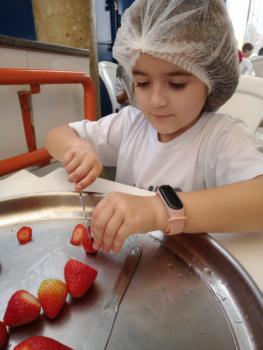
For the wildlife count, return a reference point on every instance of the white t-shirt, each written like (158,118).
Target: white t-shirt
(246,67)
(216,150)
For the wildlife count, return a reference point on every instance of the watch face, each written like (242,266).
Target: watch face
(170,197)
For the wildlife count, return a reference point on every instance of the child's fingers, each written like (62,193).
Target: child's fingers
(119,239)
(99,222)
(80,172)
(111,230)
(69,155)
(87,180)
(74,166)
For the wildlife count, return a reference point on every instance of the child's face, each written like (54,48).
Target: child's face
(170,97)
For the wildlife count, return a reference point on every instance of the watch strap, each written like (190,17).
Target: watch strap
(176,218)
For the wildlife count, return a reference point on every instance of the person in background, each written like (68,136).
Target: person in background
(121,91)
(240,55)
(260,52)
(121,94)
(184,68)
(247,50)
(245,66)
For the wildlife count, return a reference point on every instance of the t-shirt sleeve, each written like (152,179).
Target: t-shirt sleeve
(105,135)
(235,156)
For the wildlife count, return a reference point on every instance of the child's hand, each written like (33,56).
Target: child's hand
(83,166)
(119,215)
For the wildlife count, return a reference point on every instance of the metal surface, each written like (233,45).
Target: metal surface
(187,291)
(102,332)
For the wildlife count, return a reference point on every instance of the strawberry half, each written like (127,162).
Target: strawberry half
(87,242)
(79,277)
(24,234)
(3,335)
(77,234)
(41,343)
(52,294)
(22,308)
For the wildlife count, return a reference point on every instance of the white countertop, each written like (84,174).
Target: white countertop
(246,248)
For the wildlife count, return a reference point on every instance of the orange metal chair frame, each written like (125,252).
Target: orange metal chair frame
(35,78)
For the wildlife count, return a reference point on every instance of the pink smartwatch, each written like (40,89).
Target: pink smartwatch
(174,207)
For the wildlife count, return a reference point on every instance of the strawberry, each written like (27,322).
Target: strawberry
(52,294)
(77,234)
(24,234)
(79,277)
(87,242)
(22,308)
(39,342)
(3,335)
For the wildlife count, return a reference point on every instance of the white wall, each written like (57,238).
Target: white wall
(238,11)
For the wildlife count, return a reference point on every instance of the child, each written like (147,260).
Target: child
(183,60)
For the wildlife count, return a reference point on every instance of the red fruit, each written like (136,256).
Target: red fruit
(24,234)
(22,308)
(87,242)
(41,343)
(3,335)
(77,234)
(79,277)
(52,294)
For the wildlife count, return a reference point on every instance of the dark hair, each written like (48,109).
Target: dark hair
(247,47)
(260,51)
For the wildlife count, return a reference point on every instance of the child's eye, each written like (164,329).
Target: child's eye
(177,86)
(141,84)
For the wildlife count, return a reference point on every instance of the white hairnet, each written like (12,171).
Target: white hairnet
(197,35)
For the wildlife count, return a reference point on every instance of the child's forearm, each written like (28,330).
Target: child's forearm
(232,208)
(60,139)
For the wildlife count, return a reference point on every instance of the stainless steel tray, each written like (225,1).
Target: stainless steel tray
(187,291)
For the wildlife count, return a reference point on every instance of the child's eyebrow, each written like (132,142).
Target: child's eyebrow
(138,72)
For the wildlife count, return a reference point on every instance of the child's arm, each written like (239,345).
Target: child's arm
(232,208)
(78,155)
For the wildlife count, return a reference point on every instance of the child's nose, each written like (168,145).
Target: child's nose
(158,97)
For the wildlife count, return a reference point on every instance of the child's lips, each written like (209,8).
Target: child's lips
(161,117)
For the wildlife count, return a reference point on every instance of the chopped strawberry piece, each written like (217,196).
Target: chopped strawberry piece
(52,294)
(41,343)
(77,234)
(3,335)
(79,277)
(24,234)
(87,242)
(22,308)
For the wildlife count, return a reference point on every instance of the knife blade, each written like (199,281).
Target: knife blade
(102,330)
(87,219)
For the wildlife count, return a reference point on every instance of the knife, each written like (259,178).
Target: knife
(99,339)
(82,202)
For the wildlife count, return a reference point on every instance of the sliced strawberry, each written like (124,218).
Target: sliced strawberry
(24,234)
(3,335)
(22,308)
(77,234)
(41,343)
(52,294)
(79,277)
(87,242)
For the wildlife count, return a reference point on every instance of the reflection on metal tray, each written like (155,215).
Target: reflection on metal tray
(187,292)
